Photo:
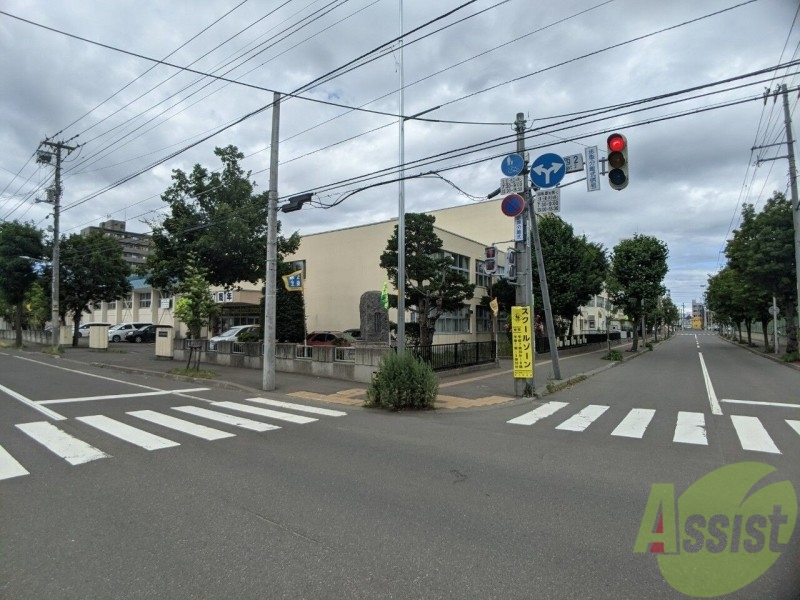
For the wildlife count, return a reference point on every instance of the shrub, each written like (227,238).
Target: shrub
(649,345)
(613,355)
(403,381)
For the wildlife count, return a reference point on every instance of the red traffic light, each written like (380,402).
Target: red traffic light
(616,142)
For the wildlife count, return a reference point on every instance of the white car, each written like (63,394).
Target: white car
(117,333)
(231,335)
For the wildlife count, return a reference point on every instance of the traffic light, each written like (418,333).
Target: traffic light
(490,260)
(511,264)
(617,161)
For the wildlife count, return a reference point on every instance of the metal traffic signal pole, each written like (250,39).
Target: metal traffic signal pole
(270,297)
(532,231)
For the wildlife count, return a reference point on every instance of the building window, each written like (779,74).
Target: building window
(483,319)
(127,302)
(112,305)
(592,322)
(481,278)
(460,264)
(145,299)
(454,322)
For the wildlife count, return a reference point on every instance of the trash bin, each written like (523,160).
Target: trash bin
(98,336)
(164,337)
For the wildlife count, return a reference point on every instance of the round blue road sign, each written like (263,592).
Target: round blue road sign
(548,170)
(512,165)
(512,205)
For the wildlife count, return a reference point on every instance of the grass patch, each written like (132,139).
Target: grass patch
(557,387)
(198,373)
(613,355)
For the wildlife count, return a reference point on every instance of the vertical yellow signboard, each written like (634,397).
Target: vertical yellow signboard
(522,341)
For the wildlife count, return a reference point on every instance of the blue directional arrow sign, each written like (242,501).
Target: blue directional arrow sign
(512,165)
(548,170)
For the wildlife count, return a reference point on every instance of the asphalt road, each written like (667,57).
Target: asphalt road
(280,502)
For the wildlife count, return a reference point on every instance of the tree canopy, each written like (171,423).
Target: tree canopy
(432,287)
(19,244)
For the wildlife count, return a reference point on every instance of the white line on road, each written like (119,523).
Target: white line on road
(583,419)
(635,423)
(9,467)
(34,405)
(716,409)
(115,396)
(265,412)
(691,429)
(143,439)
(301,407)
(545,410)
(759,403)
(235,420)
(752,434)
(201,431)
(70,448)
(794,425)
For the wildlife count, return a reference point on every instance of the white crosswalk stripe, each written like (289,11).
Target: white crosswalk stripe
(9,467)
(299,407)
(265,412)
(201,431)
(234,420)
(583,419)
(545,410)
(752,435)
(635,423)
(691,429)
(794,425)
(71,449)
(133,435)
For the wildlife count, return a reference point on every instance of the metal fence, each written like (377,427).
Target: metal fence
(454,356)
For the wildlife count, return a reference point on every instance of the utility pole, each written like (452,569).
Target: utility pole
(44,157)
(270,298)
(530,223)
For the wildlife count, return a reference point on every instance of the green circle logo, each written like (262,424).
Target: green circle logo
(724,532)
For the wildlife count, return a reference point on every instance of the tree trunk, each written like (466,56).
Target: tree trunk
(764,327)
(18,324)
(791,330)
(635,345)
(749,325)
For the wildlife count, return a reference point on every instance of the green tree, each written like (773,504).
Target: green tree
(37,305)
(734,300)
(636,276)
(432,287)
(92,270)
(762,251)
(575,268)
(17,274)
(195,306)
(217,218)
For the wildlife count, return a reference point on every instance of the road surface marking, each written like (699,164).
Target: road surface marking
(712,397)
(138,437)
(794,425)
(584,418)
(635,423)
(752,434)
(545,410)
(115,396)
(265,412)
(34,405)
(691,429)
(71,449)
(9,467)
(760,403)
(301,407)
(201,431)
(234,420)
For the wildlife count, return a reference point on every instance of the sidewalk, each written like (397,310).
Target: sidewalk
(491,385)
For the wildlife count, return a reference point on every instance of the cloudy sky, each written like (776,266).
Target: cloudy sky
(684,80)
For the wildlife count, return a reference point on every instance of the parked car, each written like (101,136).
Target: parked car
(356,333)
(329,338)
(117,333)
(231,335)
(144,334)
(83,330)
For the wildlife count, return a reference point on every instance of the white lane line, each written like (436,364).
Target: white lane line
(265,412)
(635,423)
(143,439)
(115,396)
(794,425)
(545,410)
(691,429)
(759,403)
(77,372)
(752,434)
(301,407)
(234,420)
(201,431)
(59,442)
(716,409)
(34,405)
(9,467)
(584,418)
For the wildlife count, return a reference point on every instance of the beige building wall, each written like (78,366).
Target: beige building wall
(343,264)
(483,222)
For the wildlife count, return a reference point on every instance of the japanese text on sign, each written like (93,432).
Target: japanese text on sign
(512,185)
(592,171)
(548,201)
(522,341)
